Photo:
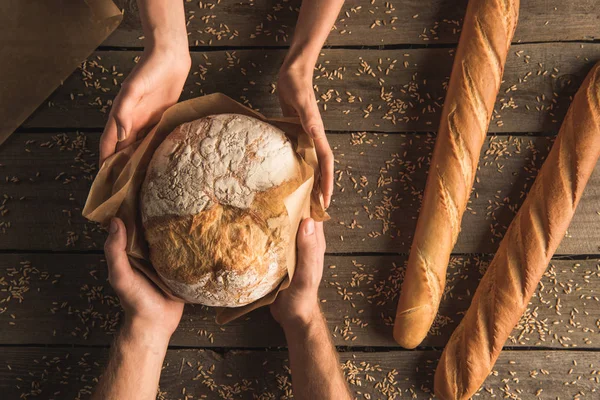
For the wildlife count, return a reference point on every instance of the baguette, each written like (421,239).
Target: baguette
(476,76)
(526,249)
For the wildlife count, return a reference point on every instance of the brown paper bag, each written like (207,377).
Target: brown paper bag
(41,43)
(115,191)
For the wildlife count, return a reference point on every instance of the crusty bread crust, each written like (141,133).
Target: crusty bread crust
(526,249)
(213,209)
(476,76)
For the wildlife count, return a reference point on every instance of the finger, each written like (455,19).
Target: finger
(321,245)
(320,238)
(108,140)
(313,125)
(287,110)
(326,166)
(307,243)
(142,120)
(128,141)
(311,120)
(123,108)
(120,273)
(120,122)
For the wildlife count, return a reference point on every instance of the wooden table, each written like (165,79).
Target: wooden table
(380,83)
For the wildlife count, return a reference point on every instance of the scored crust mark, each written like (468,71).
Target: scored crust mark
(505,6)
(458,383)
(461,152)
(433,281)
(539,227)
(491,51)
(488,335)
(450,206)
(539,219)
(451,367)
(213,209)
(510,16)
(434,285)
(593,96)
(567,169)
(476,99)
(593,99)
(516,257)
(490,326)
(458,378)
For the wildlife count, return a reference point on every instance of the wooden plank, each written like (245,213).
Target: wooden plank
(65,299)
(265,23)
(406,95)
(382,178)
(376,214)
(58,373)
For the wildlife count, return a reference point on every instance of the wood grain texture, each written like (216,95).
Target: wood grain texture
(62,299)
(54,305)
(267,23)
(379,184)
(58,373)
(374,90)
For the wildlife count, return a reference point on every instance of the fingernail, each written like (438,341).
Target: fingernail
(309,228)
(121,135)
(322,200)
(114,227)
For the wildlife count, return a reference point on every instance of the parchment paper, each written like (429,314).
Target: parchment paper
(41,43)
(115,191)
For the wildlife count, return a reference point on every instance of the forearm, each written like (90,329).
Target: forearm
(314,24)
(163,23)
(316,373)
(134,366)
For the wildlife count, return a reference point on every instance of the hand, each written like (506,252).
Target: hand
(299,303)
(147,309)
(154,85)
(297,98)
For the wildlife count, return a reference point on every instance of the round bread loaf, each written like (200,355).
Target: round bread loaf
(213,211)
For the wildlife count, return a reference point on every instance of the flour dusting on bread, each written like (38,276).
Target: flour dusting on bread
(213,209)
(223,159)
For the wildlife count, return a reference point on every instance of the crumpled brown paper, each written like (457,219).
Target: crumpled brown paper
(41,44)
(116,190)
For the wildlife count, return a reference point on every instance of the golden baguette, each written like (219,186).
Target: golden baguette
(526,249)
(476,76)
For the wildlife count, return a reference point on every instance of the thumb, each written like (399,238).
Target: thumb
(308,258)
(119,269)
(122,111)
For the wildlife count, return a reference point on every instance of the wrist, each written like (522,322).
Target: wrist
(300,59)
(169,43)
(178,60)
(303,321)
(144,335)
